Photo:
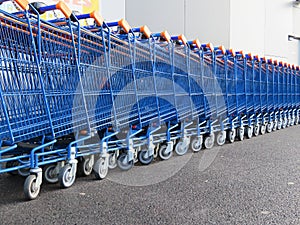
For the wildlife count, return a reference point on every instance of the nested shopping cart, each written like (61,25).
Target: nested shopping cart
(79,98)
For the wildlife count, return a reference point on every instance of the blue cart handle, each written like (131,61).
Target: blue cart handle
(240,54)
(208,46)
(59,6)
(220,49)
(24,4)
(195,44)
(249,56)
(257,59)
(144,30)
(163,35)
(230,52)
(93,15)
(181,38)
(122,23)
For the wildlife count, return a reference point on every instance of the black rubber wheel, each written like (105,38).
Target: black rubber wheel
(221,138)
(31,190)
(66,179)
(163,154)
(196,144)
(123,164)
(50,175)
(100,169)
(84,168)
(142,156)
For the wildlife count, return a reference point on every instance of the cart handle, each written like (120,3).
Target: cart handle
(196,43)
(181,38)
(220,48)
(164,35)
(208,46)
(249,56)
(230,52)
(256,58)
(59,6)
(93,15)
(240,53)
(121,23)
(144,30)
(24,4)
(270,61)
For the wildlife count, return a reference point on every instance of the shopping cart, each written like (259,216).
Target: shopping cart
(73,93)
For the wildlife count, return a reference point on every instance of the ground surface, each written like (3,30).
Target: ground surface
(251,182)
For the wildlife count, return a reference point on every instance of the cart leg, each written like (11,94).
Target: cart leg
(221,138)
(196,143)
(182,146)
(125,160)
(67,174)
(146,156)
(33,182)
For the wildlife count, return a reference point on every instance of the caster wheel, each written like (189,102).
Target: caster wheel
(221,138)
(249,132)
(275,125)
(85,167)
(144,158)
(123,162)
(241,133)
(256,130)
(65,177)
(101,169)
(180,149)
(279,126)
(24,172)
(269,127)
(196,144)
(284,125)
(31,189)
(231,135)
(11,164)
(263,129)
(50,174)
(163,154)
(209,141)
(112,161)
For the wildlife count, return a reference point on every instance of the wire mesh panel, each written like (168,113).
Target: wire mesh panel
(181,82)
(221,86)
(164,81)
(209,87)
(241,87)
(289,87)
(298,88)
(231,88)
(249,88)
(280,87)
(256,88)
(264,86)
(276,88)
(293,88)
(96,80)
(270,88)
(123,84)
(21,87)
(195,76)
(284,88)
(146,87)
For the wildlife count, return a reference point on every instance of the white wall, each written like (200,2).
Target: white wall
(257,26)
(262,27)
(113,10)
(247,24)
(158,15)
(208,21)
